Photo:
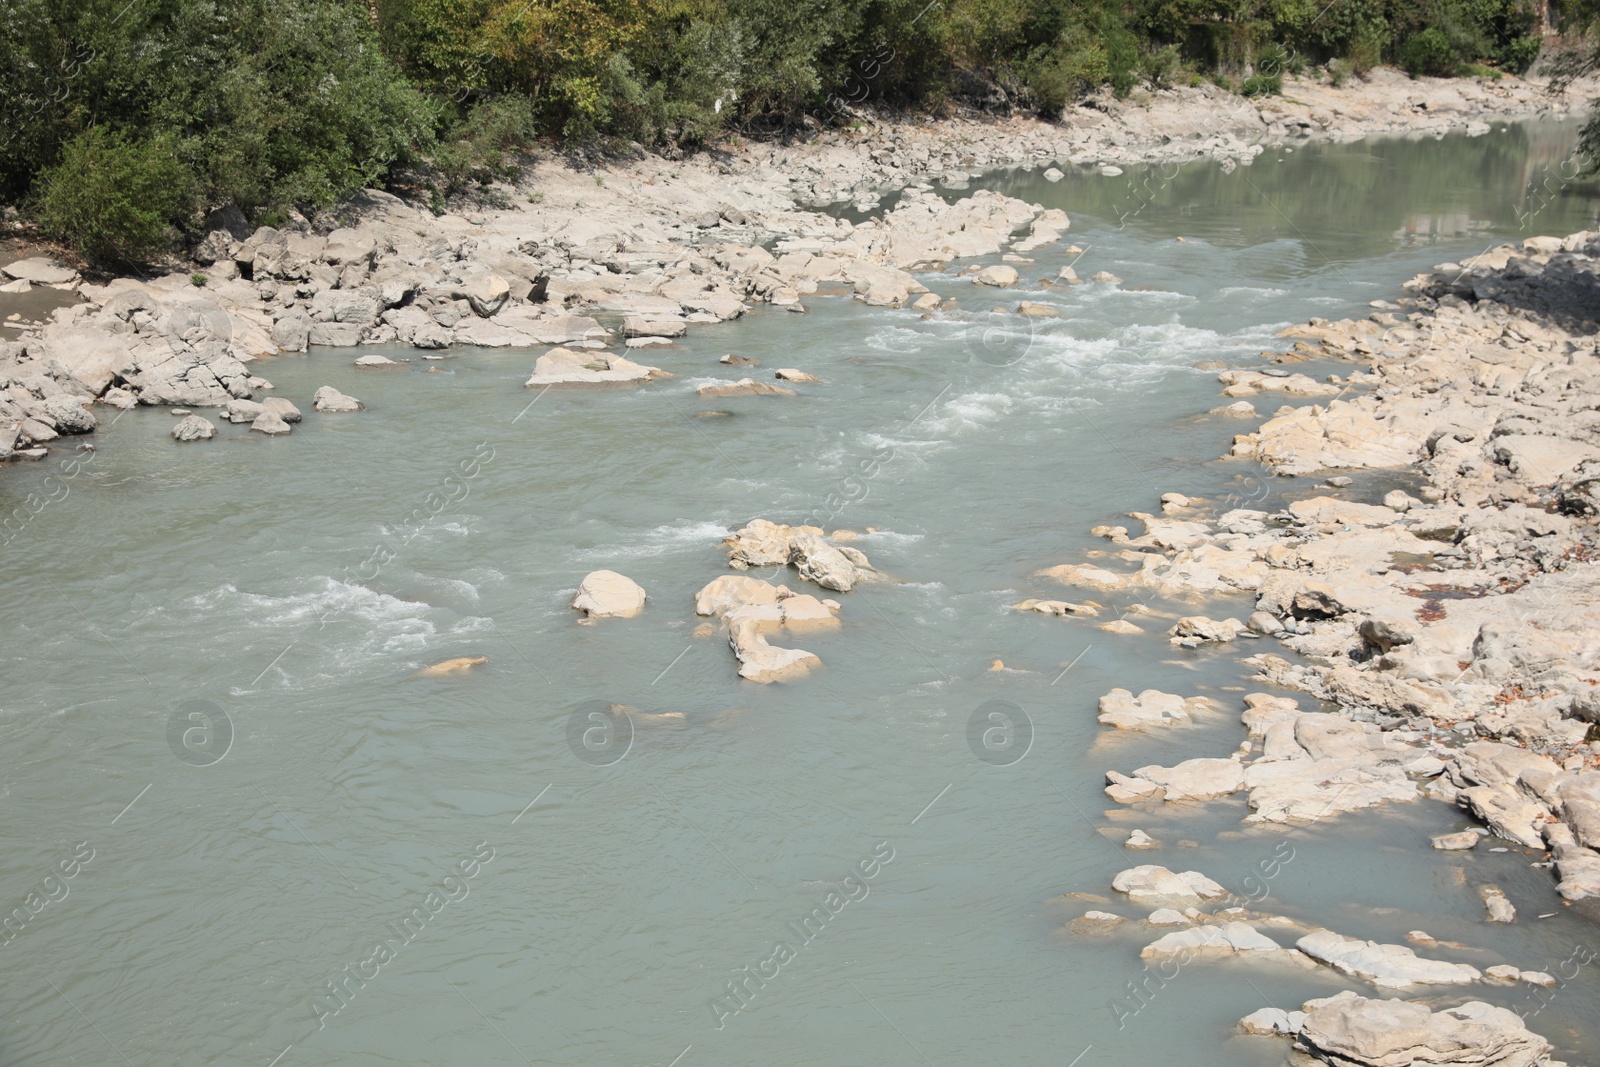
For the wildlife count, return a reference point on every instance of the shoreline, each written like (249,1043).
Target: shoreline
(637,254)
(1455,629)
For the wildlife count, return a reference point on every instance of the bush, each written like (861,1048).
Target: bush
(1338,72)
(115,199)
(1429,52)
(1262,85)
(1161,66)
(477,147)
(1518,55)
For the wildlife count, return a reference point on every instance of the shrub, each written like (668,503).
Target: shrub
(115,199)
(477,146)
(1429,52)
(1518,54)
(1161,65)
(1262,85)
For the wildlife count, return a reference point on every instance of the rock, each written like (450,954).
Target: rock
(242,410)
(269,423)
(193,428)
(1272,1021)
(1385,966)
(1150,884)
(1459,841)
(1068,275)
(68,414)
(1263,623)
(1354,1031)
(1055,607)
(41,271)
(486,293)
(1105,277)
(1502,973)
(760,661)
(1195,779)
(281,407)
(926,302)
(1499,908)
(740,361)
(818,561)
(1139,841)
(1123,710)
(789,374)
(1167,917)
(445,668)
(609,595)
(1030,309)
(375,360)
(1052,175)
(1538,978)
(999,276)
(1210,941)
(742,387)
(292,331)
(722,595)
(1201,628)
(563,366)
(329,399)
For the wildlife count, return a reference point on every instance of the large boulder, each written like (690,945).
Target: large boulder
(1349,1030)
(68,414)
(722,595)
(194,428)
(1123,710)
(609,595)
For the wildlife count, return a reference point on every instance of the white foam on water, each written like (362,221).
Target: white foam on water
(1235,290)
(661,540)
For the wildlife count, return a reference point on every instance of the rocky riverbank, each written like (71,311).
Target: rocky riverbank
(1454,627)
(635,255)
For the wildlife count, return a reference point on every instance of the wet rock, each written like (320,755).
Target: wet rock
(1201,629)
(1055,607)
(375,360)
(1457,842)
(1139,841)
(1385,966)
(1499,908)
(789,374)
(1105,277)
(609,595)
(329,399)
(742,387)
(193,428)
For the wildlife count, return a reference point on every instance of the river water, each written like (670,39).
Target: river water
(209,683)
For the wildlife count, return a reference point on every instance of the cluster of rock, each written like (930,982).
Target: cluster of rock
(751,609)
(1349,1030)
(1455,624)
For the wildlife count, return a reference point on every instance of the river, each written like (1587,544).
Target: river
(209,682)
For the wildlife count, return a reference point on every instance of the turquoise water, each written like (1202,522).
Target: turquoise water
(285,592)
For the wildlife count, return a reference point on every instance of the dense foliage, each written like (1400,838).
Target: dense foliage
(273,104)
